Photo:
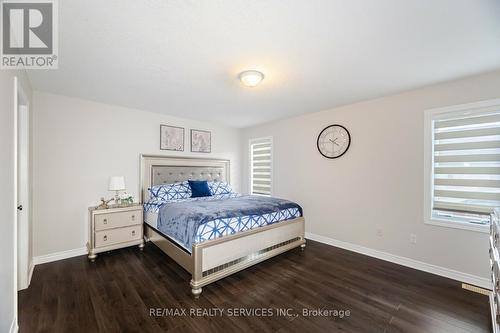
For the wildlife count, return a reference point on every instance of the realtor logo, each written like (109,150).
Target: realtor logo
(29,34)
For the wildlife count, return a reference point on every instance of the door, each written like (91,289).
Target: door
(23,214)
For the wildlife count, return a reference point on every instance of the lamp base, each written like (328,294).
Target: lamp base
(117,198)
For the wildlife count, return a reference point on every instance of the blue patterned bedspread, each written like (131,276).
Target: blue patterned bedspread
(194,221)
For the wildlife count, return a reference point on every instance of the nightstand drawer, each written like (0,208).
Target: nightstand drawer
(116,220)
(120,235)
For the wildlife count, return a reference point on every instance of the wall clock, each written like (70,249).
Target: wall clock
(334,141)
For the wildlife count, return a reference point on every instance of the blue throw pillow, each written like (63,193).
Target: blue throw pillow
(199,188)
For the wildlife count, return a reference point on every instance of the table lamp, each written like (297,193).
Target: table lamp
(117,184)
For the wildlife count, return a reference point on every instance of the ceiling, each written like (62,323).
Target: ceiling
(182,58)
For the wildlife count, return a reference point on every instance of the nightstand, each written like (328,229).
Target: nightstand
(113,228)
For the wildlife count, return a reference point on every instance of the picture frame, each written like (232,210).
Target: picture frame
(171,138)
(201,141)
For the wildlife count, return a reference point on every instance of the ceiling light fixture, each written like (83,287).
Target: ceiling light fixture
(251,78)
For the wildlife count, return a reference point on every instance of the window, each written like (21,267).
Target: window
(261,166)
(463,164)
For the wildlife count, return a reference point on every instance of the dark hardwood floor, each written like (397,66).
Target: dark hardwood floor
(118,291)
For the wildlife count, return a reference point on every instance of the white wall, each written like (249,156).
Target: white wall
(79,144)
(378,184)
(8,200)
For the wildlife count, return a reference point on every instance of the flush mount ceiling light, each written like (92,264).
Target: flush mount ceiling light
(251,78)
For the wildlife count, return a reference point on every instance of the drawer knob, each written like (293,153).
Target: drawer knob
(105,238)
(133,217)
(133,232)
(105,221)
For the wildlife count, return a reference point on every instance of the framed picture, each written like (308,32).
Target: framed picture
(201,141)
(171,138)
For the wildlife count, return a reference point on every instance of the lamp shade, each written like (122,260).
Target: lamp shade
(117,183)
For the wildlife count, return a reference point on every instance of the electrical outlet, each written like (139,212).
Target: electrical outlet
(413,238)
(379,233)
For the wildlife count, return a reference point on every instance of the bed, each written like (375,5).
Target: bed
(223,244)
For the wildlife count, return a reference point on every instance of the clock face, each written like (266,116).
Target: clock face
(334,141)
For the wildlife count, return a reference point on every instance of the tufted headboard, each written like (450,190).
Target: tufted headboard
(157,169)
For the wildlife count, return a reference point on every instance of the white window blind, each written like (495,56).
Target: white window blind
(261,166)
(466,164)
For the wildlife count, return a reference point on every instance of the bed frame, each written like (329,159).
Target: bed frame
(215,259)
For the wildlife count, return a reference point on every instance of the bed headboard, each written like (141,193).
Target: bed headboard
(157,169)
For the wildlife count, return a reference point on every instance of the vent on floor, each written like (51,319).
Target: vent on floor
(475,289)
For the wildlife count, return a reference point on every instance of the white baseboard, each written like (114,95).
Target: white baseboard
(422,266)
(30,271)
(26,284)
(13,327)
(59,256)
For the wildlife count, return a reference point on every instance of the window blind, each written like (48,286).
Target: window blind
(467,163)
(261,165)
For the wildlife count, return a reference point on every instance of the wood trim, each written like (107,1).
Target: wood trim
(14,328)
(30,274)
(59,256)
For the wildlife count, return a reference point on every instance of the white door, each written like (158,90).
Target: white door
(23,227)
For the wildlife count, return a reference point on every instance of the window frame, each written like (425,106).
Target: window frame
(429,116)
(250,164)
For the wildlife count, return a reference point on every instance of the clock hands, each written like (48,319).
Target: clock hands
(333,141)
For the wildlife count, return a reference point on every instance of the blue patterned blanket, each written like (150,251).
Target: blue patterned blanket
(183,219)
